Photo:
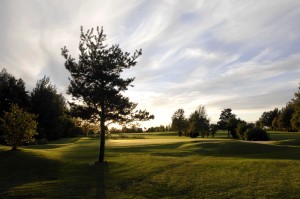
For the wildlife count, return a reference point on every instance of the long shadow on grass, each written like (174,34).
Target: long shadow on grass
(28,175)
(246,150)
(19,167)
(228,148)
(55,144)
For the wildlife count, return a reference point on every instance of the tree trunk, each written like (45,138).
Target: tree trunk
(102,136)
(14,148)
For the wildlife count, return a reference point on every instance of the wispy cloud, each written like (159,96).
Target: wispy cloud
(238,54)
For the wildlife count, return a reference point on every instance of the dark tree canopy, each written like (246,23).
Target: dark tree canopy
(199,123)
(50,108)
(227,120)
(295,121)
(12,91)
(267,117)
(179,121)
(96,83)
(286,116)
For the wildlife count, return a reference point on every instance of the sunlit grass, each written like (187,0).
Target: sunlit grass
(160,166)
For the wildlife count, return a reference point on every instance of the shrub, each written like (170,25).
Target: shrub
(18,126)
(256,134)
(241,129)
(193,134)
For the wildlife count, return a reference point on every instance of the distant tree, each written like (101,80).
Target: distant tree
(275,123)
(267,118)
(225,116)
(213,129)
(199,123)
(256,134)
(194,125)
(97,85)
(50,108)
(241,129)
(232,126)
(12,91)
(286,116)
(295,120)
(19,127)
(178,121)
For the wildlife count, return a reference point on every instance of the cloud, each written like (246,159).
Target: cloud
(237,53)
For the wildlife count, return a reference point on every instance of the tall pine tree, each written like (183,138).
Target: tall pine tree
(96,83)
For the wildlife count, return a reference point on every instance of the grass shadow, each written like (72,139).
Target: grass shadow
(246,150)
(20,167)
(55,144)
(288,150)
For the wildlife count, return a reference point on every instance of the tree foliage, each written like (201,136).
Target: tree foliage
(19,127)
(213,129)
(179,122)
(228,121)
(50,108)
(267,118)
(286,116)
(96,83)
(199,123)
(256,134)
(12,91)
(295,121)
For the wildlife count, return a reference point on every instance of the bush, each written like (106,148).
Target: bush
(19,127)
(241,129)
(193,134)
(256,134)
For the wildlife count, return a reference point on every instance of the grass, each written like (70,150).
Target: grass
(161,165)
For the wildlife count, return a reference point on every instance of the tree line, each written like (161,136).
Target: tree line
(198,123)
(48,108)
(286,118)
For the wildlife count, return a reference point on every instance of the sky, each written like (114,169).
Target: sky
(238,54)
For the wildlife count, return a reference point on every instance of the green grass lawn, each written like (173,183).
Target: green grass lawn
(161,165)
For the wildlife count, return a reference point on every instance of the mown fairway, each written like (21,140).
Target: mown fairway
(159,166)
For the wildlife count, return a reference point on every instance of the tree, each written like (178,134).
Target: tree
(50,108)
(19,127)
(213,129)
(12,91)
(97,85)
(178,121)
(199,123)
(275,122)
(295,121)
(256,134)
(225,116)
(232,126)
(241,129)
(286,116)
(267,118)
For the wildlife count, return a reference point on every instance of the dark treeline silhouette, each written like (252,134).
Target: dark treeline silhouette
(284,119)
(198,124)
(288,119)
(44,101)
